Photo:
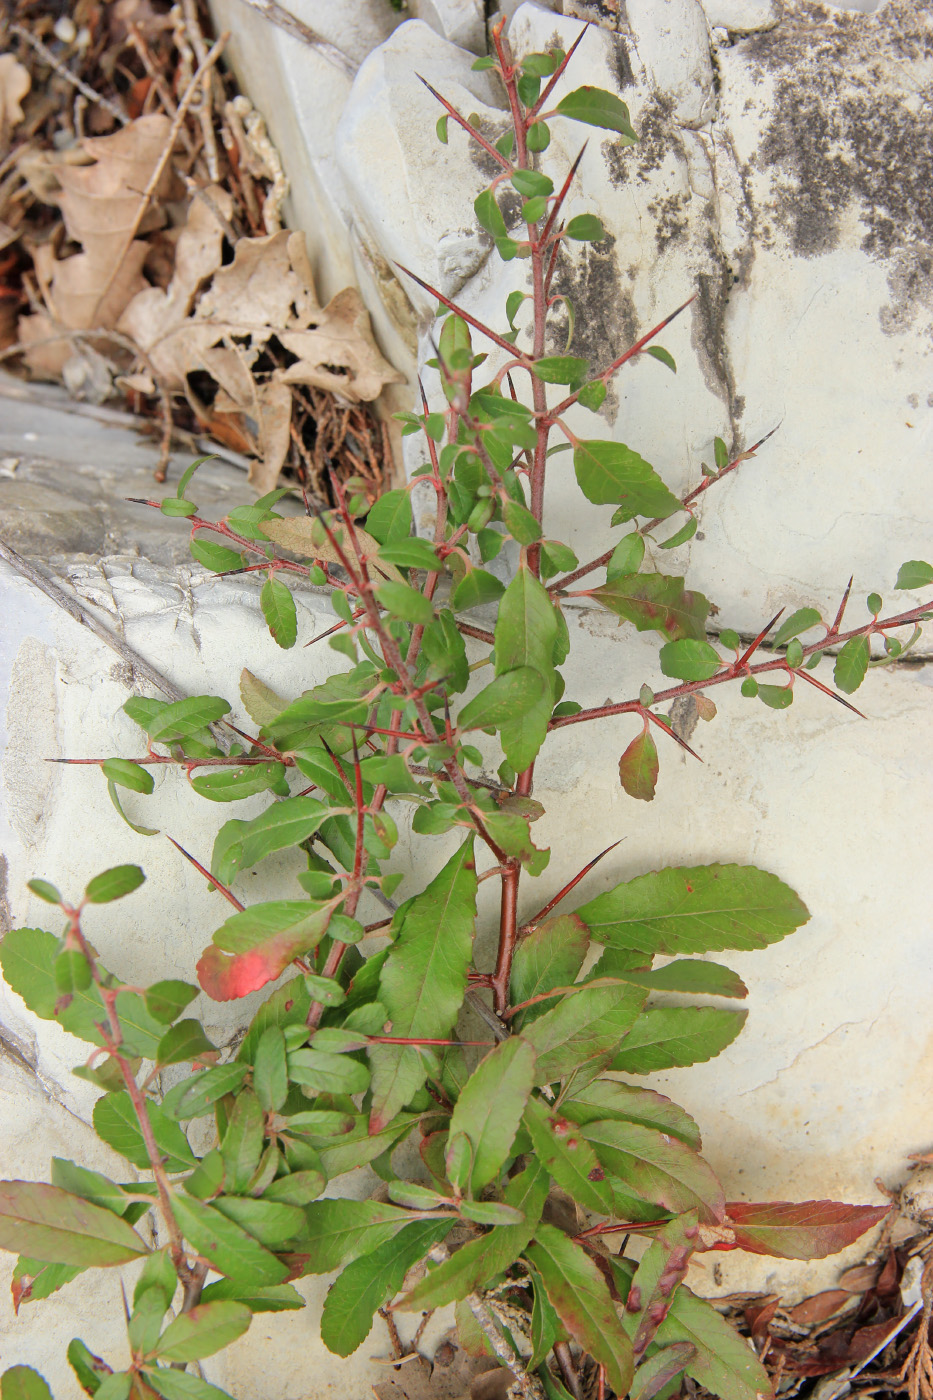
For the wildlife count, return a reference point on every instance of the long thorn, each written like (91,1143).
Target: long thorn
(562,894)
(811,680)
(464,315)
(470,130)
(227,894)
(842,607)
(749,651)
(565,187)
(673,735)
(558,73)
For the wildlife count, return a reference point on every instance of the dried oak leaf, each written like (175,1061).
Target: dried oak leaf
(266,292)
(15,82)
(103,209)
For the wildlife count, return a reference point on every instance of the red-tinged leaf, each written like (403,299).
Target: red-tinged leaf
(660,1272)
(581,1297)
(655,1373)
(656,603)
(560,1146)
(638,768)
(800,1230)
(204,1330)
(657,1168)
(548,957)
(48,1223)
(256,945)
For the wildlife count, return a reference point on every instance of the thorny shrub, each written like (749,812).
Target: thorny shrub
(360,1050)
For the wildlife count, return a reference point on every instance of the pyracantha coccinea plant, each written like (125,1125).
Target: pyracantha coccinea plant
(535,1158)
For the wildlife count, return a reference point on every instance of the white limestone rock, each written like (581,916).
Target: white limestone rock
(463,22)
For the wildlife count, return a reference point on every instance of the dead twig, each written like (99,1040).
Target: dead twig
(292,25)
(57,66)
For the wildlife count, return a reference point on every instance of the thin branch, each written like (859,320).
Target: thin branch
(470,130)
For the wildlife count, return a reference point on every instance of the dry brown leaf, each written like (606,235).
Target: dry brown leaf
(300,535)
(219,321)
(820,1307)
(103,208)
(15,82)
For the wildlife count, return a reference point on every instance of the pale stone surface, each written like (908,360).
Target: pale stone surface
(775,196)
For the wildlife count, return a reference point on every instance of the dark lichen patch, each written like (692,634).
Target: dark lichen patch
(850,133)
(605,322)
(670,216)
(659,139)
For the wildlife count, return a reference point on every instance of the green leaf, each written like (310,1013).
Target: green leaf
(300,1188)
(185,1041)
(157,1272)
(776,697)
(23,1383)
(688,975)
(529,183)
(369,1282)
(505,699)
(91,1186)
(45,891)
(242,1143)
(189,472)
(656,1167)
(690,660)
(255,945)
(724,1363)
(626,557)
(526,631)
(484,1258)
(610,1098)
(475,588)
(114,884)
(166,1000)
(228,1247)
(695,909)
(178,720)
(681,536)
(423,980)
(581,1297)
(51,1224)
(638,766)
(278,608)
(721,453)
(286,823)
(609,472)
(234,784)
(489,215)
(585,1025)
(281,1298)
(656,1373)
(660,1272)
(145,1324)
(538,137)
(585,228)
(490,1107)
(548,957)
(328,1074)
(337,1231)
(272,1222)
(115,1121)
(532,211)
(34,1279)
(914,574)
(172,506)
(125,773)
(596,107)
(193,1097)
(203,1331)
(72,972)
(412,553)
(852,664)
(665,357)
(389,518)
(441,129)
(403,601)
(656,603)
(562,1149)
(216,557)
(592,395)
(800,621)
(794,655)
(270,1073)
(182,1385)
(560,369)
(90,1370)
(520,523)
